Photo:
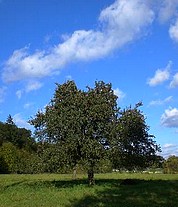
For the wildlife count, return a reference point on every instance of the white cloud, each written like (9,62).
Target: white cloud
(2,94)
(174,82)
(28,105)
(169,150)
(170,118)
(33,85)
(168,145)
(173,31)
(120,23)
(161,102)
(160,76)
(20,122)
(68,77)
(19,94)
(168,9)
(120,94)
(168,12)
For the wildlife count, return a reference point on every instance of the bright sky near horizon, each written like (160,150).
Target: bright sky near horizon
(132,44)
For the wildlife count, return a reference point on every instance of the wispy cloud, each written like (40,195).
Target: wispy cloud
(19,93)
(170,118)
(68,77)
(2,94)
(174,82)
(20,122)
(28,105)
(160,102)
(173,31)
(30,86)
(169,149)
(160,76)
(168,10)
(119,24)
(33,86)
(120,94)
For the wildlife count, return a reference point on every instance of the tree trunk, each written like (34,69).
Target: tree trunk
(74,172)
(91,180)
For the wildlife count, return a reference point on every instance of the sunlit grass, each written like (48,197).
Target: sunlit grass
(111,190)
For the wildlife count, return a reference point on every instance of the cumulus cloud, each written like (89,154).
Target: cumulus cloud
(120,94)
(174,82)
(160,76)
(161,102)
(120,23)
(168,9)
(170,118)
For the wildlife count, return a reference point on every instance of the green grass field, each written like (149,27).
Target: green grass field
(111,190)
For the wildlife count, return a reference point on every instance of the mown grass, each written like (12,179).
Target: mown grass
(111,190)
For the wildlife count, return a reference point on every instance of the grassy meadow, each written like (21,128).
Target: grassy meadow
(111,190)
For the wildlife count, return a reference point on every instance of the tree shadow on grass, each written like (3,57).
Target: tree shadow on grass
(132,193)
(5,187)
(73,183)
(116,192)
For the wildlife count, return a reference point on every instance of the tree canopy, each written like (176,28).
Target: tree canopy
(136,148)
(17,148)
(171,164)
(88,126)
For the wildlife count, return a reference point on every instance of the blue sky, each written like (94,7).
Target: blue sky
(131,43)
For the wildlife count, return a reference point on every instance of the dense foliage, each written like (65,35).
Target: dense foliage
(80,130)
(86,127)
(135,146)
(171,165)
(17,148)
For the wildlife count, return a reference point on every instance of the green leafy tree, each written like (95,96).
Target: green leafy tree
(10,156)
(88,127)
(20,137)
(3,165)
(171,165)
(15,160)
(17,148)
(80,122)
(135,148)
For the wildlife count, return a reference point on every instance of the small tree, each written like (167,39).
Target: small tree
(10,120)
(135,147)
(171,165)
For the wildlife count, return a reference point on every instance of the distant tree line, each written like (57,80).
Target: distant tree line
(17,148)
(80,130)
(171,165)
